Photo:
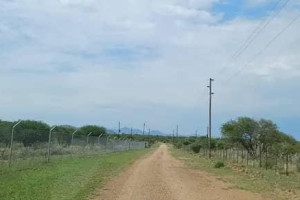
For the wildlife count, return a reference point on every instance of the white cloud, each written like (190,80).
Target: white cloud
(103,61)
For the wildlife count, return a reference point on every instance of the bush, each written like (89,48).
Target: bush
(298,166)
(195,147)
(178,145)
(270,164)
(186,143)
(219,165)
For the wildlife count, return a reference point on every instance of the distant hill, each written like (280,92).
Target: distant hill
(127,130)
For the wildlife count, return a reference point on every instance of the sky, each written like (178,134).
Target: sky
(99,62)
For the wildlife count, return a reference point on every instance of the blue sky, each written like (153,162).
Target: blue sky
(96,62)
(237,8)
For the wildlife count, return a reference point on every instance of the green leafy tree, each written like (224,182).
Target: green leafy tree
(5,131)
(96,130)
(63,134)
(30,132)
(243,132)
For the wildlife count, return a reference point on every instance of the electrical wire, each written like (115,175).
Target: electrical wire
(265,47)
(256,32)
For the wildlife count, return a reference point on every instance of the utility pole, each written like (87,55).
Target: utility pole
(207,137)
(177,131)
(131,132)
(149,136)
(119,128)
(196,133)
(144,129)
(173,136)
(209,125)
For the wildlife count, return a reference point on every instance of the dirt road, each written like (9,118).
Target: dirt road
(159,176)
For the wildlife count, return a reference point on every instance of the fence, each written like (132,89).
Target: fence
(280,163)
(42,144)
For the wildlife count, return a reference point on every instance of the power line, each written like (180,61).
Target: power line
(255,33)
(265,47)
(266,23)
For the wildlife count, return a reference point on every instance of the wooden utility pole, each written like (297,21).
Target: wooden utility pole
(209,125)
(177,132)
(173,136)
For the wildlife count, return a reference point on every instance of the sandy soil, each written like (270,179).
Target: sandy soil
(159,176)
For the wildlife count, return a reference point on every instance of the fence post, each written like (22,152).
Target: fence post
(266,158)
(242,156)
(129,144)
(99,139)
(73,137)
(106,143)
(12,140)
(287,164)
(49,143)
(87,138)
(260,156)
(223,155)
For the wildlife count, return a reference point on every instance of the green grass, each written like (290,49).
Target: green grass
(265,182)
(62,178)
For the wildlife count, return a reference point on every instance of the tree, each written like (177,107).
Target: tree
(96,130)
(244,131)
(268,133)
(5,131)
(30,132)
(62,134)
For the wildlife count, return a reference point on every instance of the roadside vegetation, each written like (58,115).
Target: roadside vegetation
(265,182)
(251,154)
(64,177)
(31,140)
(249,142)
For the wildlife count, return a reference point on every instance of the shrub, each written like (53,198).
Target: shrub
(186,142)
(195,147)
(219,165)
(178,145)
(298,166)
(270,164)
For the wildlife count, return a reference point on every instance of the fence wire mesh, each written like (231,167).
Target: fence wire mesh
(30,144)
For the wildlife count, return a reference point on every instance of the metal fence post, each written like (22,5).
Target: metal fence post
(12,140)
(129,144)
(49,143)
(73,137)
(87,138)
(99,139)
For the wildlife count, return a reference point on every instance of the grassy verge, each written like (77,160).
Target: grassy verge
(63,178)
(265,182)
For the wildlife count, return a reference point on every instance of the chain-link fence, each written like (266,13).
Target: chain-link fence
(29,144)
